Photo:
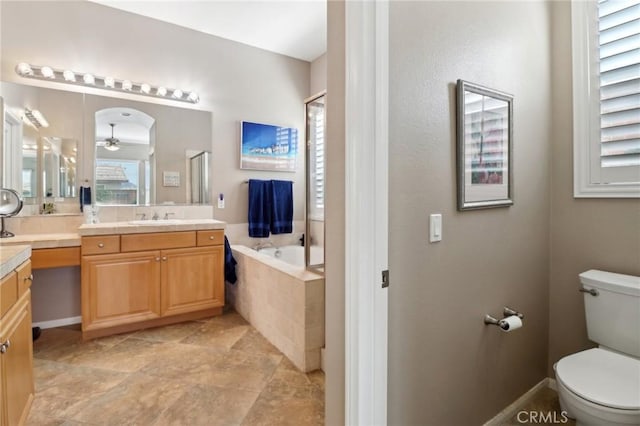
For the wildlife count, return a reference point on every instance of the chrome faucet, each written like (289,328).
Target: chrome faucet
(143,216)
(166,215)
(155,216)
(263,244)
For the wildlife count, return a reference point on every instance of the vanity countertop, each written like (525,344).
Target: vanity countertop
(43,241)
(149,226)
(12,256)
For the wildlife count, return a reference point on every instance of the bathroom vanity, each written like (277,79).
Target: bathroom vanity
(140,276)
(16,347)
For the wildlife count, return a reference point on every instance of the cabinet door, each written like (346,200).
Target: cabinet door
(120,289)
(192,279)
(17,361)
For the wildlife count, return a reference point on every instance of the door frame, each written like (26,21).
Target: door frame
(366,211)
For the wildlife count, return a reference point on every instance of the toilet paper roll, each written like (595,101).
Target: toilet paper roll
(511,323)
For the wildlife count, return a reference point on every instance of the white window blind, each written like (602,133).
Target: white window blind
(619,54)
(318,129)
(606,98)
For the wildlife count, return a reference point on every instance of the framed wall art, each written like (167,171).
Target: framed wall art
(484,147)
(267,147)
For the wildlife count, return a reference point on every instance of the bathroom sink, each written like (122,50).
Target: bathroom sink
(159,222)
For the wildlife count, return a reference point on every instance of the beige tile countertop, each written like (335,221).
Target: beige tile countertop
(42,241)
(12,256)
(139,227)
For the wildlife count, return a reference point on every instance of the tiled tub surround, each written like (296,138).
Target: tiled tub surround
(283,302)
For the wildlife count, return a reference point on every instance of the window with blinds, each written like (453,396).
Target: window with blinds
(315,129)
(319,160)
(606,98)
(619,54)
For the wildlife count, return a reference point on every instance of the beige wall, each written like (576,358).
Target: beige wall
(235,81)
(334,216)
(445,365)
(585,233)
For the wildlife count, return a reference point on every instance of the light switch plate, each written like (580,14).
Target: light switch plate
(435,228)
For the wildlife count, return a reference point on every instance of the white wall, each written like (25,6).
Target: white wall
(235,82)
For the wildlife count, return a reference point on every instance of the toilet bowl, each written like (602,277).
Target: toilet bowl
(598,387)
(601,386)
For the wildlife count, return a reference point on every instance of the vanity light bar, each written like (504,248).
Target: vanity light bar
(36,118)
(47,73)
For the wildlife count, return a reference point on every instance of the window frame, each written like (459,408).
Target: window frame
(589,181)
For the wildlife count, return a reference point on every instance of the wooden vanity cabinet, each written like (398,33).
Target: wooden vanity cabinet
(16,348)
(192,279)
(120,289)
(150,279)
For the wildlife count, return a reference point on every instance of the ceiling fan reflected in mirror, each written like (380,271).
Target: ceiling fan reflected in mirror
(112,143)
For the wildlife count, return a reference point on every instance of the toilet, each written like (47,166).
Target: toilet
(601,386)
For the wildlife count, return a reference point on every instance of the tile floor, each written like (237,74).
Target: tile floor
(215,372)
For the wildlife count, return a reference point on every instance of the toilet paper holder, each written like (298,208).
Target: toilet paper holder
(506,312)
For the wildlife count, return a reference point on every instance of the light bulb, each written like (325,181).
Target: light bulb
(109,82)
(89,79)
(69,75)
(47,72)
(161,91)
(127,85)
(193,97)
(177,94)
(24,69)
(145,88)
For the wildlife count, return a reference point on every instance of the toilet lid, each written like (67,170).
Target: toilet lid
(602,377)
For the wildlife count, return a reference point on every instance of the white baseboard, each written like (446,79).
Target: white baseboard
(504,415)
(58,323)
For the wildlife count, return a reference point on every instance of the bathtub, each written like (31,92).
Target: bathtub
(282,300)
(294,255)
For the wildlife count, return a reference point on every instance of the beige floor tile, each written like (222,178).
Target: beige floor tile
(214,334)
(208,406)
(218,371)
(188,363)
(130,355)
(61,388)
(254,342)
(169,333)
(242,370)
(139,400)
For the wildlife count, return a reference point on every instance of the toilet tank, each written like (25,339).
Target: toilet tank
(613,316)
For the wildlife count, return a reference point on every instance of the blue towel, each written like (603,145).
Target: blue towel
(229,263)
(259,208)
(282,207)
(85,197)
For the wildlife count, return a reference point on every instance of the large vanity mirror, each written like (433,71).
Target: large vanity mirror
(129,152)
(41,131)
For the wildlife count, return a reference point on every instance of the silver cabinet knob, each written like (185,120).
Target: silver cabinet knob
(164,258)
(157,259)
(29,278)
(212,237)
(5,346)
(100,245)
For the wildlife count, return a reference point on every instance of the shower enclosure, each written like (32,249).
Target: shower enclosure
(315,174)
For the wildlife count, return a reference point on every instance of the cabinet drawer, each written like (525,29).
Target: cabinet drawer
(102,244)
(210,238)
(157,241)
(24,277)
(8,292)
